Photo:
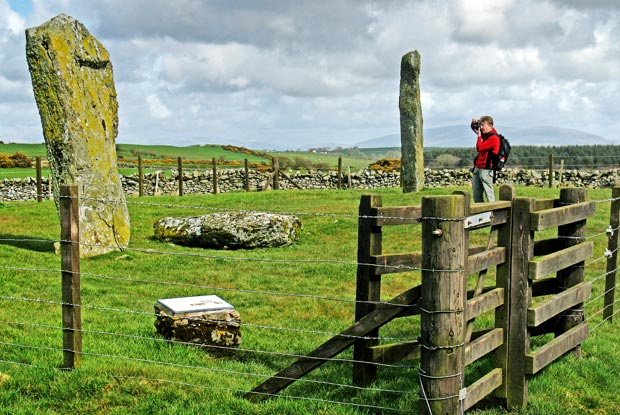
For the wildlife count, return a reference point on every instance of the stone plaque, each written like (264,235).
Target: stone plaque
(194,304)
(206,320)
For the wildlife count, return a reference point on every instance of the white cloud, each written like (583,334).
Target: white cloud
(11,23)
(309,72)
(481,21)
(157,109)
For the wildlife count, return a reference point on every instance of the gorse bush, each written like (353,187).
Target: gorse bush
(386,164)
(18,159)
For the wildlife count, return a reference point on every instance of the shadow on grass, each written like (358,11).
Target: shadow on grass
(27,242)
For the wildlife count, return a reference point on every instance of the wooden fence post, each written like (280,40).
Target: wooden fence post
(70,271)
(368,286)
(140,177)
(349,176)
(246,177)
(522,242)
(442,305)
(612,261)
(216,188)
(180,162)
(275,164)
(339,173)
(39,180)
(569,235)
(550,170)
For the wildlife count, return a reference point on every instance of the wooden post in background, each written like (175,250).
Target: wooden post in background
(276,173)
(70,271)
(369,240)
(612,261)
(246,176)
(550,170)
(442,305)
(140,177)
(339,173)
(180,162)
(216,188)
(349,176)
(39,180)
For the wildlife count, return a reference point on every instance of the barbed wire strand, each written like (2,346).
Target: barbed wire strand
(279,396)
(204,345)
(405,268)
(245,325)
(365,406)
(606,319)
(209,287)
(204,368)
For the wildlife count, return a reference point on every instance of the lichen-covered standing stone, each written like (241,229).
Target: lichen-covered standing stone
(74,89)
(411,136)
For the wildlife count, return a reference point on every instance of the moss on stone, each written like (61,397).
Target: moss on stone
(74,89)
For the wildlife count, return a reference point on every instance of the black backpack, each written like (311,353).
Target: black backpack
(499,160)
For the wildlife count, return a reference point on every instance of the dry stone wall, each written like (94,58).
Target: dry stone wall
(197,182)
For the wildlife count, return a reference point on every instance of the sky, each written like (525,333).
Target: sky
(296,74)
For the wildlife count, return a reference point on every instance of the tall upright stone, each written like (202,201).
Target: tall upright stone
(74,89)
(411,136)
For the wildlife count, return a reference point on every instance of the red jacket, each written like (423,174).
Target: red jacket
(486,143)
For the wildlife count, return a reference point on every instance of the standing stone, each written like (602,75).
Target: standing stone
(74,89)
(411,136)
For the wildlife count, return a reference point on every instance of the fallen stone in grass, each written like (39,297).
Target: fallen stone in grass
(230,230)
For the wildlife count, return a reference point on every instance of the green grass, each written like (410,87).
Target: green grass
(331,159)
(129,151)
(197,152)
(21,173)
(154,157)
(128,368)
(32,150)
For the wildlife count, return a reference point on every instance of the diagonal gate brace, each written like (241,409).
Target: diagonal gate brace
(383,314)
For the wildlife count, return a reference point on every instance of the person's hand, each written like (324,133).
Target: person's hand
(475,122)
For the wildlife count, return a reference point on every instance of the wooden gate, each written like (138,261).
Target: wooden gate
(537,288)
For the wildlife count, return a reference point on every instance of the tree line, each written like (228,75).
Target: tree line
(533,157)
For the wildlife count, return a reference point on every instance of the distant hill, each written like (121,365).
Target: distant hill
(462,136)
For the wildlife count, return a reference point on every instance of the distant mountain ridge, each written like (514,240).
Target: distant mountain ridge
(463,136)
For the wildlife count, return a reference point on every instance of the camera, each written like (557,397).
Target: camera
(475,125)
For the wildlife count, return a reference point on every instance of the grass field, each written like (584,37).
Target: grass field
(31,150)
(157,154)
(291,300)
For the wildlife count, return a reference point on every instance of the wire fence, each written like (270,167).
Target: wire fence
(106,320)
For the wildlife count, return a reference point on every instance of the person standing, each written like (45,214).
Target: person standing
(487,147)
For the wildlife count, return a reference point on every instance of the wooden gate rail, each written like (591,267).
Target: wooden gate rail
(533,265)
